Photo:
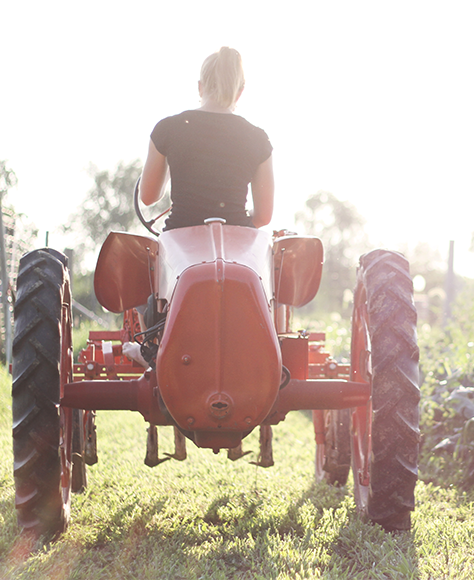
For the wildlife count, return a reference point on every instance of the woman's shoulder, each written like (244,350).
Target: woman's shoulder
(174,118)
(250,126)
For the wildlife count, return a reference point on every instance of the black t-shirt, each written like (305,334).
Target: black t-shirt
(212,158)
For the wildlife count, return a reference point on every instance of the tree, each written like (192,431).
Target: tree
(8,179)
(341,229)
(107,207)
(16,237)
(430,273)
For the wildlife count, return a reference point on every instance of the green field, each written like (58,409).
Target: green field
(208,517)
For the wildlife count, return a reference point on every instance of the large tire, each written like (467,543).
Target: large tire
(42,363)
(385,433)
(333,457)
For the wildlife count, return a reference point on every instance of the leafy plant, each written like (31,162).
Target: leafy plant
(447,411)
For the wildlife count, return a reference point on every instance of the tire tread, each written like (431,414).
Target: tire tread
(395,434)
(41,286)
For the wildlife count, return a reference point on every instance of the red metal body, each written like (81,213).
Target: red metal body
(219,362)
(226,291)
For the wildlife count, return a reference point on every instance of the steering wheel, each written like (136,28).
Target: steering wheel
(150,223)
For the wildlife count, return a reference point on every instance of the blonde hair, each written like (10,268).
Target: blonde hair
(222,76)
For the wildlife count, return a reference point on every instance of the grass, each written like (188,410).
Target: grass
(208,517)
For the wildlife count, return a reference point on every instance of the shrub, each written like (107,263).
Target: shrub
(447,408)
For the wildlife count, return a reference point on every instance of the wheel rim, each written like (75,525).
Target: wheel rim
(320,428)
(361,371)
(319,463)
(65,414)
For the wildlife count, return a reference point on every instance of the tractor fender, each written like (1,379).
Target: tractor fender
(124,275)
(298,265)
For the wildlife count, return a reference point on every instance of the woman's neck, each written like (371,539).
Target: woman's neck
(211,106)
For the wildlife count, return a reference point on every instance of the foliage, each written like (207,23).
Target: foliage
(107,207)
(426,262)
(83,293)
(447,365)
(18,236)
(8,178)
(341,229)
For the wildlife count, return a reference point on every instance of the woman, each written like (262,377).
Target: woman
(211,155)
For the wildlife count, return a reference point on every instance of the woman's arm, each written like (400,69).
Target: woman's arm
(262,193)
(154,176)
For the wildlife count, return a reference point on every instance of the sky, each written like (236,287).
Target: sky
(372,101)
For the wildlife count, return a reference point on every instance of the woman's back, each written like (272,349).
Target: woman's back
(212,159)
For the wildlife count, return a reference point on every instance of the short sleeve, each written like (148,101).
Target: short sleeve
(159,136)
(267,148)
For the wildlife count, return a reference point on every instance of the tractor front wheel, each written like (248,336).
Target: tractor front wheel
(384,352)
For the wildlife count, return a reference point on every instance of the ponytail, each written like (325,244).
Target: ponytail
(222,76)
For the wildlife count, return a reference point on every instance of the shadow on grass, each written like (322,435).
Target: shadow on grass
(15,546)
(9,528)
(241,535)
(364,551)
(319,533)
(323,531)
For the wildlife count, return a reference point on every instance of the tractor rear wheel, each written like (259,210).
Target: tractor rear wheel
(384,352)
(333,457)
(43,432)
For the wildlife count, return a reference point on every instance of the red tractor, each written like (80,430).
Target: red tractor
(222,361)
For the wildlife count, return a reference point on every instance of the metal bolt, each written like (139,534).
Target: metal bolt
(186,359)
(190,420)
(248,420)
